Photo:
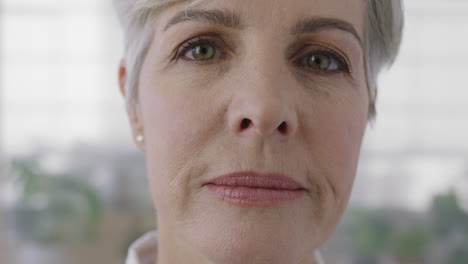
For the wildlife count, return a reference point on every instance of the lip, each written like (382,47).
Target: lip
(250,188)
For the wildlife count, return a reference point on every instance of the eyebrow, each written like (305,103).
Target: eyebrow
(232,20)
(218,17)
(315,24)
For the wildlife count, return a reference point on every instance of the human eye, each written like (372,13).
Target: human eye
(199,49)
(325,60)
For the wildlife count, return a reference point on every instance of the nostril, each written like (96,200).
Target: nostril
(245,123)
(283,128)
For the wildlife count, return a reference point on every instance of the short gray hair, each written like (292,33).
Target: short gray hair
(383,36)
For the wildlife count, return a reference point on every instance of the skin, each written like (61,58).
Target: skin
(190,114)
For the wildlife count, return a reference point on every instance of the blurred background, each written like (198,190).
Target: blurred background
(73,187)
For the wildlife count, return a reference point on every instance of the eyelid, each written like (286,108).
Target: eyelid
(216,40)
(328,50)
(207,39)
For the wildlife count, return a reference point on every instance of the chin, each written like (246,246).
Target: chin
(242,242)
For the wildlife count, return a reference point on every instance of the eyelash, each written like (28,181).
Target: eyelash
(187,46)
(343,65)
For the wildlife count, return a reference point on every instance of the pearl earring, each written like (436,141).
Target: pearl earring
(139,138)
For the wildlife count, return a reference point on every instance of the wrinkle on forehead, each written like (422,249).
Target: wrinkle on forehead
(280,14)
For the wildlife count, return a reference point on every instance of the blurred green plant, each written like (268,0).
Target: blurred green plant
(439,235)
(370,233)
(448,217)
(52,208)
(459,255)
(412,244)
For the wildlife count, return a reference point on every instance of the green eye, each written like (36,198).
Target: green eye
(322,62)
(203,52)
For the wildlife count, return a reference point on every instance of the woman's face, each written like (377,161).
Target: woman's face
(279,86)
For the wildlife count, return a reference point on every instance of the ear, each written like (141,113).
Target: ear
(133,111)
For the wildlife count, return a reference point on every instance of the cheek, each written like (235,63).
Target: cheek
(178,124)
(165,128)
(335,147)
(181,112)
(340,143)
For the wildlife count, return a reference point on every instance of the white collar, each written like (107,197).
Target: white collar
(144,250)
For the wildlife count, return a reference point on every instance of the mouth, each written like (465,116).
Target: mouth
(252,189)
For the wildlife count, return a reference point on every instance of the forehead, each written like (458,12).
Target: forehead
(281,14)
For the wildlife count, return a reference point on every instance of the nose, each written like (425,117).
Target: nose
(263,104)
